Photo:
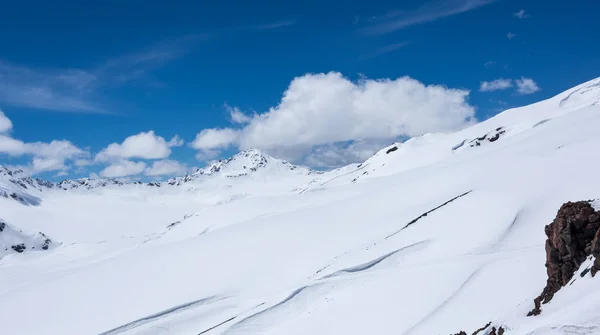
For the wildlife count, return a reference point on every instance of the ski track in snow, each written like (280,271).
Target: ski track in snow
(395,233)
(249,319)
(373,263)
(159,315)
(441,306)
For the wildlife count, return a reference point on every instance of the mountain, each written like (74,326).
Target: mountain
(441,234)
(251,164)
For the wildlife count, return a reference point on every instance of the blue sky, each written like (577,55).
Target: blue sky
(89,74)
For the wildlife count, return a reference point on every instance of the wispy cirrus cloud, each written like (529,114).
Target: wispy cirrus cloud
(429,12)
(383,50)
(271,25)
(77,90)
(521,14)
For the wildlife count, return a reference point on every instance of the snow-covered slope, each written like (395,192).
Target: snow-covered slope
(431,237)
(16,241)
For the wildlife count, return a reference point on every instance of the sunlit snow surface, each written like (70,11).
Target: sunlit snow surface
(284,250)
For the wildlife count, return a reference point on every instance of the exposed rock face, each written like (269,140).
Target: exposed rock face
(572,237)
(482,330)
(596,253)
(13,240)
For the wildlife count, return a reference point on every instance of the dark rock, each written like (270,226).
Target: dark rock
(570,241)
(595,251)
(482,328)
(2,226)
(494,138)
(480,331)
(392,149)
(19,247)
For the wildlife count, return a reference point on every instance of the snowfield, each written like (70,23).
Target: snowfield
(442,233)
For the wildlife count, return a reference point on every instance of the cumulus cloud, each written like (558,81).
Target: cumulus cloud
(176,141)
(526,86)
(11,147)
(495,85)
(145,145)
(340,154)
(165,167)
(327,108)
(5,123)
(214,138)
(237,116)
(55,149)
(39,164)
(123,168)
(46,156)
(521,14)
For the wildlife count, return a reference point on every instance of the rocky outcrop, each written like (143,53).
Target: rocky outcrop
(485,330)
(596,253)
(572,237)
(13,240)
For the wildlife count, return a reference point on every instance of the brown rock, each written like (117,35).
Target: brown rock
(572,236)
(595,251)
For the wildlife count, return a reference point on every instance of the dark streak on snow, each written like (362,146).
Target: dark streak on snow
(428,212)
(445,302)
(217,325)
(268,309)
(509,229)
(370,264)
(150,318)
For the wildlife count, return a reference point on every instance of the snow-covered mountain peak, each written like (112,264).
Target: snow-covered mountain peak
(249,162)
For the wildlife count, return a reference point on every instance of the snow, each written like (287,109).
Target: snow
(256,245)
(16,241)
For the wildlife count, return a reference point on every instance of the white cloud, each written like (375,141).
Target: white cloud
(82,162)
(237,116)
(272,25)
(526,86)
(5,123)
(383,50)
(321,109)
(55,149)
(61,174)
(428,12)
(521,14)
(495,85)
(10,146)
(165,167)
(207,154)
(511,36)
(340,154)
(80,90)
(50,156)
(215,138)
(123,168)
(143,145)
(39,164)
(176,141)
(489,64)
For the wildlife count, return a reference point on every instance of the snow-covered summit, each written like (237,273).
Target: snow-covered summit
(245,163)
